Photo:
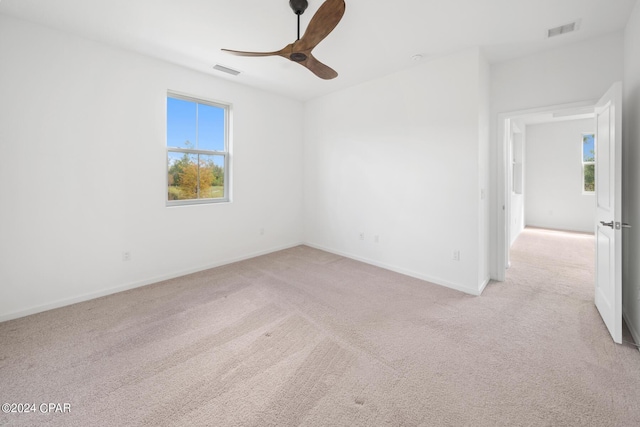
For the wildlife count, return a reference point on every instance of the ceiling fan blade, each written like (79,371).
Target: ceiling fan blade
(318,68)
(242,53)
(322,23)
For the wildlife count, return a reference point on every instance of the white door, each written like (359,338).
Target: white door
(609,210)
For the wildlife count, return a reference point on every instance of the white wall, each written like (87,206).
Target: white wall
(83,172)
(631,175)
(517,217)
(516,172)
(399,158)
(484,120)
(553,77)
(553,193)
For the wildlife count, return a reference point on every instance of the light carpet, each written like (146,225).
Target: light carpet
(304,337)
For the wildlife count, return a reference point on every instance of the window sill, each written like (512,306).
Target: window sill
(171,204)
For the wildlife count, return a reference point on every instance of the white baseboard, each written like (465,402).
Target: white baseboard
(483,285)
(409,273)
(634,332)
(92,295)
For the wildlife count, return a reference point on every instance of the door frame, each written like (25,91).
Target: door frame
(503,194)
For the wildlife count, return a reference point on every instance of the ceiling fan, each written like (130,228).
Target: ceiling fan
(322,23)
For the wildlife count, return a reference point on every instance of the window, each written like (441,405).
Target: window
(197,151)
(588,163)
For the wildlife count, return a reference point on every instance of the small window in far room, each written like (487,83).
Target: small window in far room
(197,151)
(588,163)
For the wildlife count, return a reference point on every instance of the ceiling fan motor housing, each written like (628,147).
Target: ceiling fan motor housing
(298,57)
(298,6)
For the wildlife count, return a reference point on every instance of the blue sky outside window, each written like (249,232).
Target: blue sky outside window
(588,148)
(194,125)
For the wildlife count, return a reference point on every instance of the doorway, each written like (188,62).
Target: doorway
(512,177)
(607,164)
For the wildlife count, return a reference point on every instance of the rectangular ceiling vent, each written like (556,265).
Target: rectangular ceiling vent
(226,70)
(563,29)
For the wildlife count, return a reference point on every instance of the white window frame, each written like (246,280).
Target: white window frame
(226,153)
(585,192)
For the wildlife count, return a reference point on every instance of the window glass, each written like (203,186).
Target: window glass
(210,128)
(181,123)
(588,163)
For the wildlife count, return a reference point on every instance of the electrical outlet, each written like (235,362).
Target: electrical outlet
(376,239)
(456,254)
(361,235)
(126,256)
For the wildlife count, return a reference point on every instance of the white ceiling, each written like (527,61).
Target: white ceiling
(373,39)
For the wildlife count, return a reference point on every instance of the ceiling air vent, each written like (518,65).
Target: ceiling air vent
(226,69)
(563,29)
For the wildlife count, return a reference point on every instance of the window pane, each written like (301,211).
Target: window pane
(181,123)
(182,176)
(588,148)
(211,177)
(210,128)
(589,177)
